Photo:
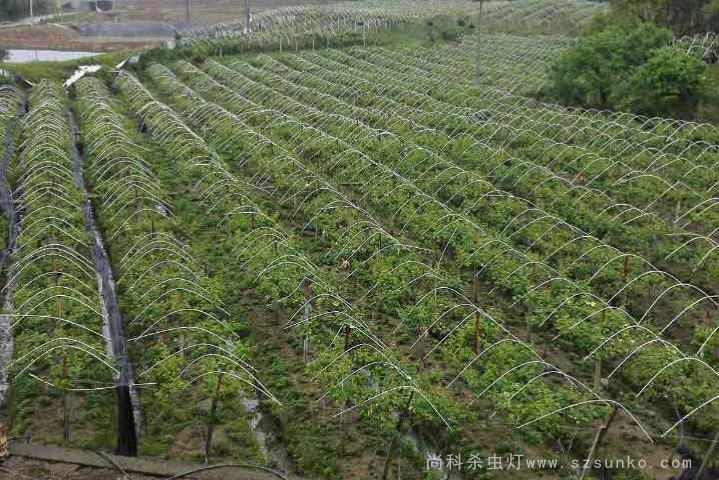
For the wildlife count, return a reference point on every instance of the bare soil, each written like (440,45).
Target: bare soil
(63,37)
(53,37)
(28,468)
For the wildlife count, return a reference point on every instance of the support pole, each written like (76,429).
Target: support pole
(248,18)
(397,435)
(479,41)
(601,433)
(597,373)
(65,405)
(211,420)
(708,457)
(308,307)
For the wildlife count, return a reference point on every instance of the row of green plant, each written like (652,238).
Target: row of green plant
(618,224)
(541,189)
(181,339)
(423,302)
(645,129)
(335,22)
(600,132)
(463,241)
(175,94)
(342,237)
(501,63)
(60,355)
(588,259)
(267,261)
(610,161)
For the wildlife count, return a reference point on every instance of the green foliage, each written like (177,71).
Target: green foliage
(395,280)
(14,9)
(631,69)
(61,71)
(448,29)
(684,17)
(655,83)
(669,82)
(588,74)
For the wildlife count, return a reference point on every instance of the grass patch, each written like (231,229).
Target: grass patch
(61,71)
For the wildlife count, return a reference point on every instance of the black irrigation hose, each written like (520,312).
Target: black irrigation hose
(114,463)
(224,465)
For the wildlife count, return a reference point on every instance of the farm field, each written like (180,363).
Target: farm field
(354,262)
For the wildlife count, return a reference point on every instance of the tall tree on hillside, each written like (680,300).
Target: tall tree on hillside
(15,9)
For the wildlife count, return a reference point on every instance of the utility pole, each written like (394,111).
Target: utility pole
(479,40)
(31,15)
(187,11)
(248,18)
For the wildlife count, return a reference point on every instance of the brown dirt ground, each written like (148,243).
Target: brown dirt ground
(58,38)
(52,36)
(19,468)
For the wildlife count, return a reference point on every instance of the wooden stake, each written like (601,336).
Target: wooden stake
(597,373)
(211,419)
(397,435)
(475,288)
(679,208)
(65,406)
(601,433)
(308,306)
(276,310)
(529,325)
(477,338)
(710,456)
(626,268)
(348,337)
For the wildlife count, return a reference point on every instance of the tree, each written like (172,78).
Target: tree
(684,17)
(588,74)
(669,82)
(14,9)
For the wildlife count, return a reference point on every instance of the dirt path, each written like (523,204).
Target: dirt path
(49,462)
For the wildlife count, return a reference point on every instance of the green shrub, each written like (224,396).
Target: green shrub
(669,83)
(588,75)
